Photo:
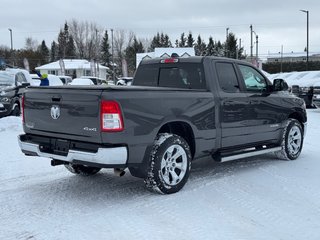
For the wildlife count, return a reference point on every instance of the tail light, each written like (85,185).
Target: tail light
(22,109)
(111,117)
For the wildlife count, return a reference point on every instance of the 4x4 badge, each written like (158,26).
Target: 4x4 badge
(55,111)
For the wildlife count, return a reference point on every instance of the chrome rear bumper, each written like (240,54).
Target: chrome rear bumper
(107,156)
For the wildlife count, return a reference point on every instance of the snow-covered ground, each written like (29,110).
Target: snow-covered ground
(252,198)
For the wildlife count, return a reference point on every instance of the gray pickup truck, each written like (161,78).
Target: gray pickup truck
(177,110)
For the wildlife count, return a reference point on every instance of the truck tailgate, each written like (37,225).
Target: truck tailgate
(63,113)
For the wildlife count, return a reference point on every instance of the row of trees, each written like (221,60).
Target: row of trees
(84,40)
(276,67)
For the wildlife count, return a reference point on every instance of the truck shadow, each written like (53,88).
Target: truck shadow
(105,187)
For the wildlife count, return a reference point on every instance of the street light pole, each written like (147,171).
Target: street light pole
(11,37)
(226,47)
(251,46)
(257,48)
(281,58)
(307,12)
(113,75)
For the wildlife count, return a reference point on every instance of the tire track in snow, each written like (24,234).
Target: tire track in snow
(238,192)
(291,181)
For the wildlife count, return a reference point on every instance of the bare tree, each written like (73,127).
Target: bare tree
(87,37)
(31,44)
(122,40)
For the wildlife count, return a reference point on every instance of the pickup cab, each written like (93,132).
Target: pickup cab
(177,110)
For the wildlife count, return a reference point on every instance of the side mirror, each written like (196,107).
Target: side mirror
(280,85)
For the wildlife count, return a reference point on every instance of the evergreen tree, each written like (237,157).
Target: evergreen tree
(210,47)
(200,47)
(177,43)
(44,52)
(105,50)
(160,40)
(155,42)
(63,43)
(183,40)
(232,47)
(130,54)
(70,49)
(218,49)
(53,52)
(166,42)
(190,40)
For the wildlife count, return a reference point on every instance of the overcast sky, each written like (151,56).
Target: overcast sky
(276,22)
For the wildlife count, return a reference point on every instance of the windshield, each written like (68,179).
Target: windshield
(6,80)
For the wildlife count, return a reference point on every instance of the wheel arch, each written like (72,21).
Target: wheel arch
(182,129)
(297,116)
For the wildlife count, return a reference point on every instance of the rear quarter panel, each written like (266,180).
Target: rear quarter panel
(145,112)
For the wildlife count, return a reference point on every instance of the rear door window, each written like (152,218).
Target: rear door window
(227,77)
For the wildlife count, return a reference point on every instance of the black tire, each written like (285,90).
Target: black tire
(81,169)
(168,171)
(292,141)
(16,110)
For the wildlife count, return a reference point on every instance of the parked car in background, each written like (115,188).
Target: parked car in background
(295,90)
(81,81)
(316,94)
(65,79)
(12,85)
(125,81)
(95,80)
(306,93)
(20,71)
(53,80)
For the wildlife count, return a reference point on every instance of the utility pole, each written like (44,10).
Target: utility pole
(257,48)
(281,56)
(307,12)
(96,65)
(239,47)
(251,46)
(113,78)
(226,47)
(11,38)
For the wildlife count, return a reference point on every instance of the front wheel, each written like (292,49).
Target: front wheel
(82,169)
(16,110)
(292,141)
(169,164)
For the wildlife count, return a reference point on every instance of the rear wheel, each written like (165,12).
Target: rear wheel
(169,164)
(82,169)
(292,141)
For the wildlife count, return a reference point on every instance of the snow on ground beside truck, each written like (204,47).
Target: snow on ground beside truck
(252,198)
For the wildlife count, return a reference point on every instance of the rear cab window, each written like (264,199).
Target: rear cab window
(174,75)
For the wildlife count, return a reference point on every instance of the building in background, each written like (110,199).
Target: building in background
(165,53)
(292,57)
(75,68)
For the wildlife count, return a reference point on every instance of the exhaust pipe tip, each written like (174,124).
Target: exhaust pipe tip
(119,172)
